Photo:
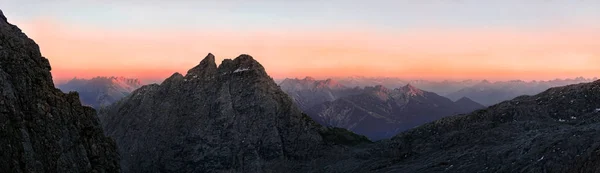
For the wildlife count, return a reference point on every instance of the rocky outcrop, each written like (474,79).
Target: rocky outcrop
(230,118)
(42,129)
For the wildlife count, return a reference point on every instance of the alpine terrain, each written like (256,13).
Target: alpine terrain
(43,129)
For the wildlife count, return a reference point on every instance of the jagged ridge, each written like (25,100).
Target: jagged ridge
(232,117)
(43,129)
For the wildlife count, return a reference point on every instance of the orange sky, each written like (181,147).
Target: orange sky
(434,53)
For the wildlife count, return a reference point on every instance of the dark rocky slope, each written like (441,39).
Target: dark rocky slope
(41,128)
(230,118)
(555,131)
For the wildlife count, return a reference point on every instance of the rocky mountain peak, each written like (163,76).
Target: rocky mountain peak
(469,103)
(238,120)
(174,78)
(464,99)
(329,83)
(411,90)
(207,67)
(241,64)
(379,88)
(308,78)
(2,16)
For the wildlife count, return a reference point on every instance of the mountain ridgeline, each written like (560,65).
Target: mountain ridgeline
(41,128)
(374,111)
(554,131)
(234,118)
(227,118)
(100,91)
(490,93)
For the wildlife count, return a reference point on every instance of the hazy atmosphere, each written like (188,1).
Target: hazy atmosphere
(436,40)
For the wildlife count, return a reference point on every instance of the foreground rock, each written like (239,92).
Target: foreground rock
(41,128)
(230,118)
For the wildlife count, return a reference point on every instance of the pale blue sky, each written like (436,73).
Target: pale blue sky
(384,14)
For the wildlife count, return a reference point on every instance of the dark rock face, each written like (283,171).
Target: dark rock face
(231,118)
(554,131)
(101,91)
(380,113)
(43,129)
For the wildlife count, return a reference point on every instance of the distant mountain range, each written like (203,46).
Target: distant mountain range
(439,87)
(376,112)
(481,91)
(309,92)
(100,91)
(488,93)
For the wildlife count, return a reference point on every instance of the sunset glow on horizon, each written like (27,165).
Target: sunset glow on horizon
(435,41)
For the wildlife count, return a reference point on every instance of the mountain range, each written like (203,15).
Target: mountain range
(227,118)
(480,91)
(439,87)
(234,118)
(100,91)
(488,93)
(374,111)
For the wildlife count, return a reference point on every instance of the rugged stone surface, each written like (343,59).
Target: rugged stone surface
(380,113)
(230,118)
(41,128)
(554,131)
(100,91)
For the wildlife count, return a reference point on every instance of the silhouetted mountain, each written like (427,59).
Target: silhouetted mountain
(554,131)
(308,92)
(100,91)
(230,118)
(488,93)
(41,128)
(468,105)
(379,113)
